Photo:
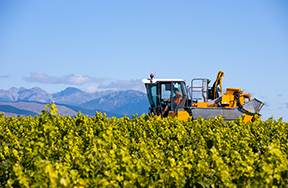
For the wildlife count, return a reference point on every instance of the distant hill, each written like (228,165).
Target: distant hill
(23,94)
(12,111)
(34,107)
(22,101)
(115,100)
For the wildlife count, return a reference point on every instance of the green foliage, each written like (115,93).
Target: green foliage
(60,151)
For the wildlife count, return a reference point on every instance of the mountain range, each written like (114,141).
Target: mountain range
(25,102)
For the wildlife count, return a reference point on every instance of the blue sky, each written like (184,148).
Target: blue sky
(98,45)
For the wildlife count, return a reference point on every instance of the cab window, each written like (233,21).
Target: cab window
(152,94)
(166,91)
(177,94)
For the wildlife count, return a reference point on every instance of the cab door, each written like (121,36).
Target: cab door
(174,92)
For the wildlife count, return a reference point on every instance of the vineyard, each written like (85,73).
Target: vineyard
(50,150)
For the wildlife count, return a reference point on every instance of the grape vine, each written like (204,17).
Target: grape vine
(50,150)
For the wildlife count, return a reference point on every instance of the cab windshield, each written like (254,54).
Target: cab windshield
(173,92)
(161,94)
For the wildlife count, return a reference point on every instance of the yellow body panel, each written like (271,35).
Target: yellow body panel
(172,115)
(202,104)
(231,90)
(228,101)
(249,117)
(183,115)
(225,100)
(213,105)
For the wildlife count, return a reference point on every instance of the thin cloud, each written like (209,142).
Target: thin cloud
(123,85)
(71,79)
(279,95)
(267,104)
(5,76)
(119,85)
(286,104)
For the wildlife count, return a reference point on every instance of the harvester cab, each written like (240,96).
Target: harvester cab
(171,97)
(166,96)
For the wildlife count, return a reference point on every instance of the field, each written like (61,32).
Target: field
(62,151)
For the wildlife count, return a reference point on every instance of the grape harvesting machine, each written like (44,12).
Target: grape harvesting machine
(171,97)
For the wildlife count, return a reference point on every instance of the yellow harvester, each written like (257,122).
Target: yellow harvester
(171,97)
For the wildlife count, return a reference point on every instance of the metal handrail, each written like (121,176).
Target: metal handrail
(200,89)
